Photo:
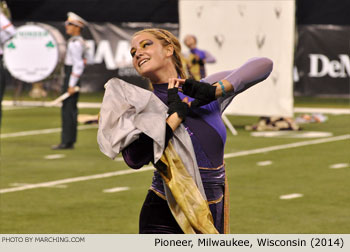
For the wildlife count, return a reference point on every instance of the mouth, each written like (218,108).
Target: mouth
(141,62)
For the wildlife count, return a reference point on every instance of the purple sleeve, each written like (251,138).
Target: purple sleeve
(252,72)
(242,78)
(140,152)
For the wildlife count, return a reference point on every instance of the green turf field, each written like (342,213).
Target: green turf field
(75,201)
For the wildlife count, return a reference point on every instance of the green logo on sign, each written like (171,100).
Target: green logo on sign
(50,44)
(11,45)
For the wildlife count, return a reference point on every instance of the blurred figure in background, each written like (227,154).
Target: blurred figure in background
(73,68)
(7,31)
(196,59)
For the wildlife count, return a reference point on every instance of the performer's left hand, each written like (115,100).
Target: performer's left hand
(174,102)
(203,92)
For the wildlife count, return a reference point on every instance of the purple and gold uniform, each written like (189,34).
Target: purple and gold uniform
(208,136)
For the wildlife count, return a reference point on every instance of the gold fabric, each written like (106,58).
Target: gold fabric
(191,211)
(226,208)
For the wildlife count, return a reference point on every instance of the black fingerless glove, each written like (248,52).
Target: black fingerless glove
(203,92)
(176,105)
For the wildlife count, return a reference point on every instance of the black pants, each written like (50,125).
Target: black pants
(156,217)
(69,112)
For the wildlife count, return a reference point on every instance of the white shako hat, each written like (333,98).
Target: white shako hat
(76,20)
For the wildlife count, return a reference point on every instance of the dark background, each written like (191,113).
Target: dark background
(158,11)
(117,11)
(121,12)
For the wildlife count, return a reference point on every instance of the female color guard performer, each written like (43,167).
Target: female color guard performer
(192,107)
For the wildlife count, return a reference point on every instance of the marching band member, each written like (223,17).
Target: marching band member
(7,31)
(73,69)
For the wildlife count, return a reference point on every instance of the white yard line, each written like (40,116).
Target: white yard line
(264,163)
(26,104)
(286,146)
(339,166)
(291,196)
(116,189)
(130,171)
(54,156)
(43,131)
(25,184)
(333,111)
(76,179)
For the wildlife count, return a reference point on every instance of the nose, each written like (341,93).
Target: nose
(138,53)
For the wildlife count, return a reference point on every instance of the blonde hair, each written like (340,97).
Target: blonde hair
(167,38)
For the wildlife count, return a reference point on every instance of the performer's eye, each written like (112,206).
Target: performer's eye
(143,45)
(146,43)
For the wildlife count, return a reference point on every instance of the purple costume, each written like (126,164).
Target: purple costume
(208,135)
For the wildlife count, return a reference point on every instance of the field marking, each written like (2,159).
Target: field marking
(21,104)
(116,189)
(26,184)
(43,131)
(286,146)
(339,166)
(130,171)
(292,134)
(291,196)
(333,111)
(54,156)
(76,179)
(264,163)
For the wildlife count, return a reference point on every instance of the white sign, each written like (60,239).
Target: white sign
(234,31)
(33,54)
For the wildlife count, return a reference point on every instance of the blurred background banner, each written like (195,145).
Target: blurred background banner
(111,24)
(322,60)
(108,54)
(315,33)
(235,31)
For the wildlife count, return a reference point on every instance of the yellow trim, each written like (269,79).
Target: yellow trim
(158,193)
(215,168)
(216,201)
(226,208)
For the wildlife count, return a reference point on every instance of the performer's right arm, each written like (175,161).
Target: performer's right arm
(140,152)
(76,49)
